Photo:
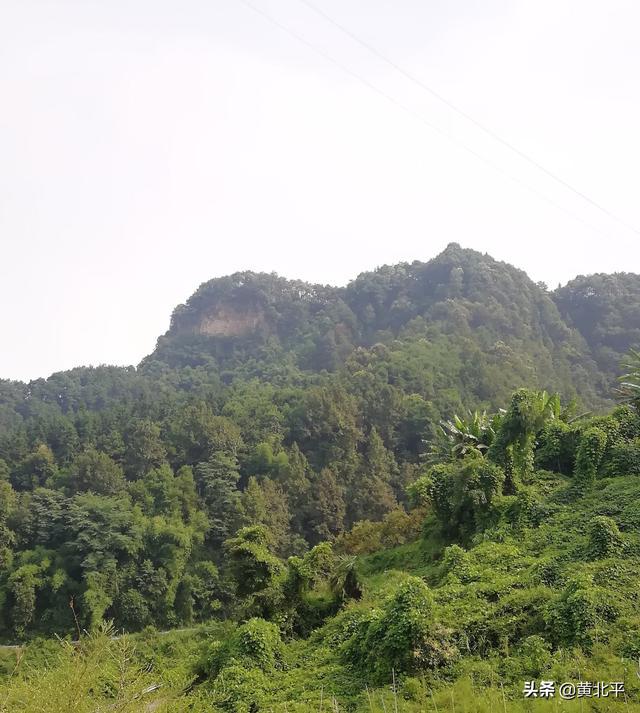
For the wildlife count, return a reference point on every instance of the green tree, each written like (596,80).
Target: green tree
(327,508)
(265,503)
(96,472)
(253,566)
(514,445)
(216,483)
(37,470)
(462,493)
(372,495)
(23,585)
(7,536)
(589,457)
(196,433)
(629,388)
(144,449)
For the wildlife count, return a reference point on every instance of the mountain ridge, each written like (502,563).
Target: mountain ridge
(489,315)
(504,313)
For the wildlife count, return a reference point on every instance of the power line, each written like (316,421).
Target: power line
(415,115)
(496,137)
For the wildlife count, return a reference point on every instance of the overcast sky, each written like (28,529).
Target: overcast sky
(149,145)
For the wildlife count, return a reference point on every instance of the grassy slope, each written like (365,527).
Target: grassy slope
(497,595)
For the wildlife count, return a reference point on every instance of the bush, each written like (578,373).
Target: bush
(589,457)
(624,458)
(528,509)
(256,644)
(572,615)
(397,528)
(605,539)
(462,493)
(556,447)
(133,611)
(402,637)
(456,561)
(628,419)
(531,660)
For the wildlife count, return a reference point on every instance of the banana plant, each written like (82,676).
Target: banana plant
(629,389)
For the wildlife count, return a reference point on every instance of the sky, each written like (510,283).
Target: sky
(149,145)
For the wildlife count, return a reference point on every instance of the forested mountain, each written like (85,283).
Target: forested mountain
(276,417)
(606,311)
(482,326)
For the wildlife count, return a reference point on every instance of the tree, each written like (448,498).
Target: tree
(196,434)
(345,582)
(475,432)
(101,530)
(265,503)
(605,539)
(132,610)
(514,444)
(372,496)
(96,472)
(23,584)
(144,448)
(296,484)
(462,493)
(402,637)
(253,566)
(589,457)
(7,536)
(216,483)
(328,509)
(36,470)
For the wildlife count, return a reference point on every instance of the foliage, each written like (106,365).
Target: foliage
(589,456)
(255,644)
(401,637)
(475,432)
(462,493)
(251,562)
(284,477)
(605,539)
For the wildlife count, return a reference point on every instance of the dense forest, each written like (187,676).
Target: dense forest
(418,486)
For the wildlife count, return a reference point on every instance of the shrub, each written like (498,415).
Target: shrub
(418,492)
(556,447)
(462,493)
(624,458)
(590,452)
(250,561)
(254,645)
(402,636)
(604,537)
(397,528)
(456,561)
(133,610)
(528,509)
(572,615)
(534,656)
(628,419)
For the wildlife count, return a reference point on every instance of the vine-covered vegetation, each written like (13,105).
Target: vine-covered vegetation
(336,498)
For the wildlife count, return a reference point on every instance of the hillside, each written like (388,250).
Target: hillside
(453,607)
(606,311)
(297,469)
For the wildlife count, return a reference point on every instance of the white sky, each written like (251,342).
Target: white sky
(147,146)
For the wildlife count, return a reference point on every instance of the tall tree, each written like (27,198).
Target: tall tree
(216,483)
(371,495)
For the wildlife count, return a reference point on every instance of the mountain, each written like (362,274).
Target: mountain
(606,311)
(496,326)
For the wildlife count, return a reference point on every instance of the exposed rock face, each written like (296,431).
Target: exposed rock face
(228,321)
